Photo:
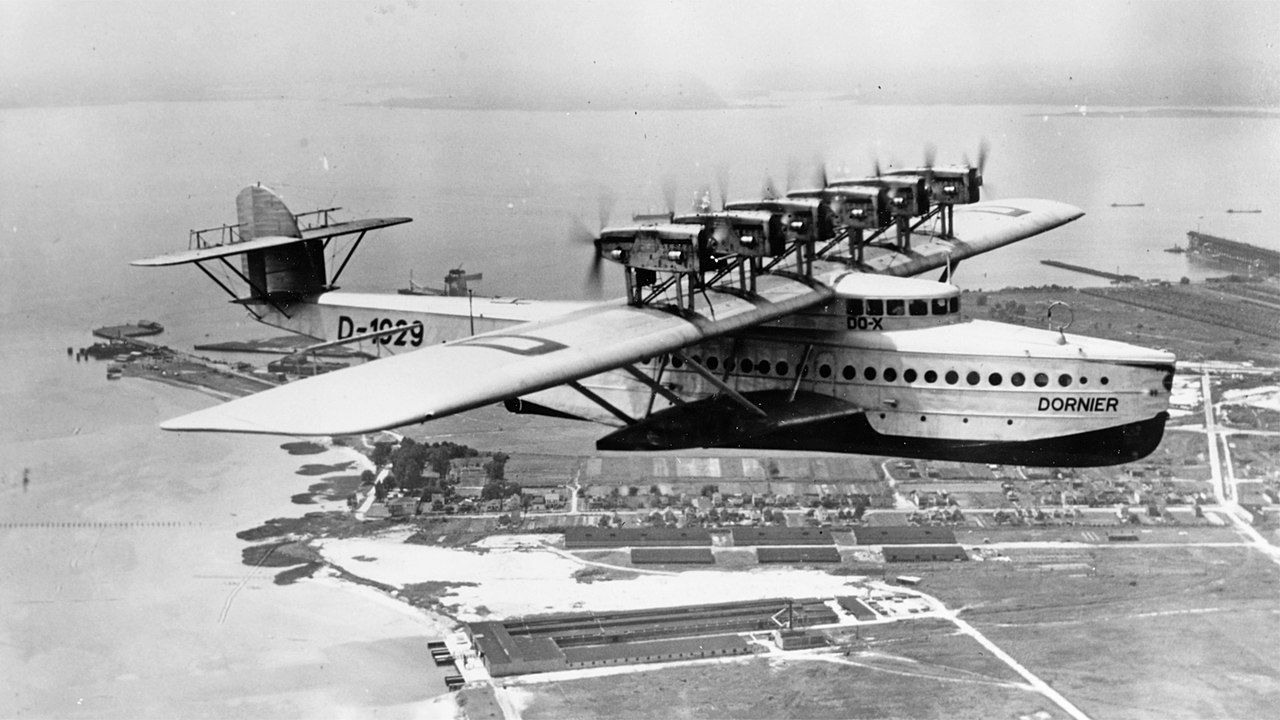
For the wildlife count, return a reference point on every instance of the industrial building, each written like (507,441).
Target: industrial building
(572,640)
(923,553)
(904,535)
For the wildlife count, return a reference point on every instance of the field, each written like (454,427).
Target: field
(1185,632)
(1188,320)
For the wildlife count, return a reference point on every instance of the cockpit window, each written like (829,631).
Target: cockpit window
(896,307)
(854,306)
(875,307)
(955,304)
(919,307)
(939,306)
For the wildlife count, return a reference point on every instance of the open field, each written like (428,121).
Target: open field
(873,684)
(1111,313)
(1185,632)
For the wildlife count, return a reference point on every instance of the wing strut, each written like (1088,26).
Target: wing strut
(354,246)
(720,385)
(613,410)
(262,292)
(653,385)
(804,362)
(223,285)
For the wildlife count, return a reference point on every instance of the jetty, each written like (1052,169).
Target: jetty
(1114,277)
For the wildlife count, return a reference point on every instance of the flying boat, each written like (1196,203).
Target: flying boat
(795,321)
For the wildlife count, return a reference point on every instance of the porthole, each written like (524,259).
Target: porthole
(973,378)
(677,362)
(881,416)
(713,362)
(1084,380)
(930,376)
(1041,380)
(965,421)
(890,374)
(995,379)
(746,365)
(953,377)
(763,367)
(1017,379)
(922,418)
(909,375)
(849,372)
(1105,381)
(869,373)
(1008,422)
(1064,380)
(782,368)
(696,359)
(824,371)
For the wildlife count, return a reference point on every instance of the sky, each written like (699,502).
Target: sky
(1104,53)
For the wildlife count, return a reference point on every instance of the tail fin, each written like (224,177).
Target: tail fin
(294,269)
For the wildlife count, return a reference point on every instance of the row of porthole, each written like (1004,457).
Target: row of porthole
(951,377)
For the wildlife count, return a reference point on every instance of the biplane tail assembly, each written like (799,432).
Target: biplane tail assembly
(282,255)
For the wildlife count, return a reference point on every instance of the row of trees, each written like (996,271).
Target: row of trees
(410,458)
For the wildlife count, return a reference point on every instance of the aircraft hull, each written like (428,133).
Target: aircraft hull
(1097,448)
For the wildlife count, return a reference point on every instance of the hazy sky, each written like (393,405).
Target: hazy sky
(1103,53)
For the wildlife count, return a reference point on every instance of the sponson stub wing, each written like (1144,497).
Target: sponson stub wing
(453,377)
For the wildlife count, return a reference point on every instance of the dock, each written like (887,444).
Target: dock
(1114,277)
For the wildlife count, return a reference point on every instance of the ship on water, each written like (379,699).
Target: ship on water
(1236,255)
(455,284)
(142,328)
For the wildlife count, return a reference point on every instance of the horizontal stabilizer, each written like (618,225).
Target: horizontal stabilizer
(239,248)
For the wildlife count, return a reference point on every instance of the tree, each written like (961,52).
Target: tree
(367,477)
(496,468)
(381,453)
(709,490)
(633,491)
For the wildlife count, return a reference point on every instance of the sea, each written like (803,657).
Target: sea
(124,592)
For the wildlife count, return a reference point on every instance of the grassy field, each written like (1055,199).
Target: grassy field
(1184,632)
(862,685)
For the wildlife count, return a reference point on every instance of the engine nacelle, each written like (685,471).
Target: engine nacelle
(948,185)
(664,248)
(797,218)
(853,206)
(749,233)
(908,194)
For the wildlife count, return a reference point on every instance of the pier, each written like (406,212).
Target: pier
(1114,277)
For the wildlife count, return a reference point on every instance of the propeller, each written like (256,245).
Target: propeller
(793,174)
(820,178)
(930,155)
(669,194)
(722,184)
(769,191)
(581,234)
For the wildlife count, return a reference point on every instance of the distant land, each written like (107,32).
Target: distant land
(1170,112)
(686,93)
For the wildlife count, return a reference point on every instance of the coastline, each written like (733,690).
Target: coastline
(148,611)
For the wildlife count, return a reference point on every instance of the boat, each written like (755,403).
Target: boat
(1119,205)
(1240,212)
